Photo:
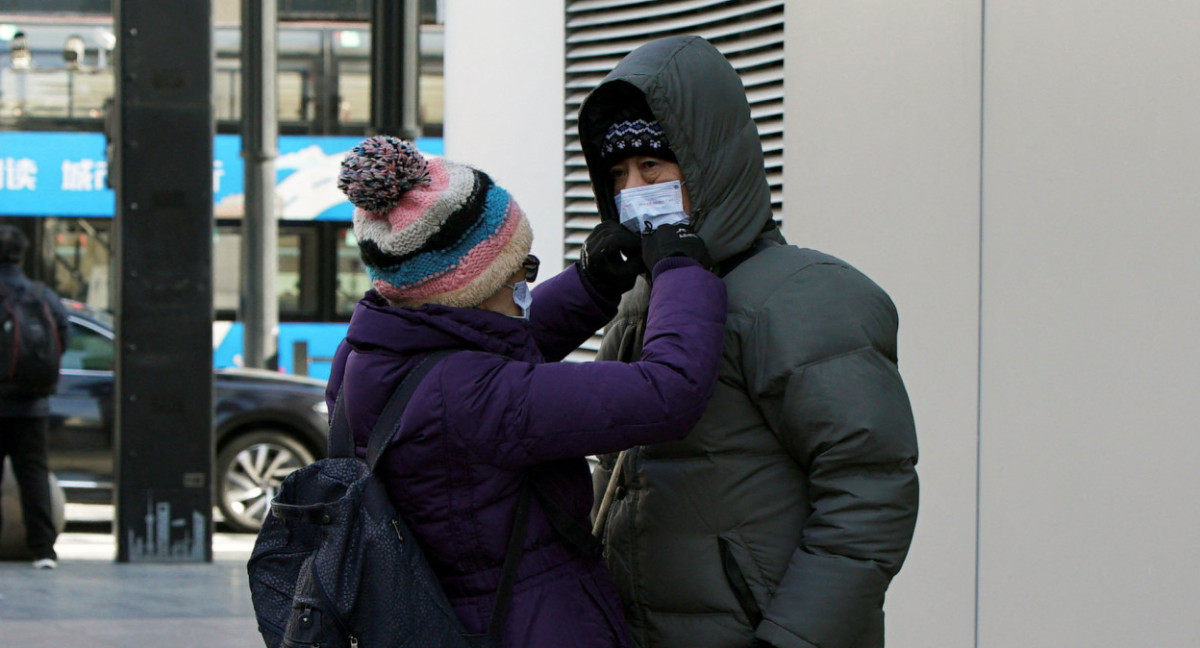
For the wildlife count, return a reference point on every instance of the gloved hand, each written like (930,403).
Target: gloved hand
(674,240)
(611,259)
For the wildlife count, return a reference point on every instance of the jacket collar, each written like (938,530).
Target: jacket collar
(408,331)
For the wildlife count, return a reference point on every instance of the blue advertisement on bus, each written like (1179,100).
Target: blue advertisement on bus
(64,174)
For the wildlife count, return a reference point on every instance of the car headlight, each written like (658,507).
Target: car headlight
(321,408)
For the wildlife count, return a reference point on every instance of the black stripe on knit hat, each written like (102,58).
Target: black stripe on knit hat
(457,225)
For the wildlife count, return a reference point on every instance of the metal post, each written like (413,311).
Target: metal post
(259,306)
(163,154)
(327,91)
(395,66)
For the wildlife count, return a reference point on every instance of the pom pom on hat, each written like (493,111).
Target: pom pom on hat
(430,230)
(377,172)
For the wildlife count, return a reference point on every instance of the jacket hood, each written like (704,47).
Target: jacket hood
(700,102)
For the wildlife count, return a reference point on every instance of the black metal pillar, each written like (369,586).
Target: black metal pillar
(259,306)
(395,66)
(163,150)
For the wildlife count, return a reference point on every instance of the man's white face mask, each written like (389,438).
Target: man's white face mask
(641,209)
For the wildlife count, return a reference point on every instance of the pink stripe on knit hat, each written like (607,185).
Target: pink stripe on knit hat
(416,201)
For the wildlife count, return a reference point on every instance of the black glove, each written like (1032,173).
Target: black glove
(612,259)
(674,240)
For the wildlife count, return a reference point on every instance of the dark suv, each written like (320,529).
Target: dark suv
(265,425)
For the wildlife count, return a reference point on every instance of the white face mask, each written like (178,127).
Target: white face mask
(521,297)
(644,208)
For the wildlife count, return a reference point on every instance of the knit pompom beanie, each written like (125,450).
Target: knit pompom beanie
(431,231)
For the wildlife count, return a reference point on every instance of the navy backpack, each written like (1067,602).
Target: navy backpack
(335,565)
(30,346)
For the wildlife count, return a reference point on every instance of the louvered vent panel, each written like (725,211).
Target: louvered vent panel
(600,32)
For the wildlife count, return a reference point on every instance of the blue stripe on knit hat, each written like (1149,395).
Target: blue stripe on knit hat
(436,263)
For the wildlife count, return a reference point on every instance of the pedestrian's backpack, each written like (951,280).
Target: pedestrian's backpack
(30,346)
(335,565)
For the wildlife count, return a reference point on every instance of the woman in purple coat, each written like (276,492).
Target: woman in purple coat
(448,254)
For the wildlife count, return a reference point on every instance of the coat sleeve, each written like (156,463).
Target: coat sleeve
(837,404)
(623,336)
(561,410)
(566,311)
(622,342)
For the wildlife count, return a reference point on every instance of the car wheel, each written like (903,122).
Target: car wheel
(249,470)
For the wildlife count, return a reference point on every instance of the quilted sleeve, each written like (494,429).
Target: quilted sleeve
(561,409)
(835,399)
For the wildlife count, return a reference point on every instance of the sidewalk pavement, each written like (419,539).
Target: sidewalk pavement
(91,600)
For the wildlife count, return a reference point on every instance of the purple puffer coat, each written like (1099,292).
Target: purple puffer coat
(483,417)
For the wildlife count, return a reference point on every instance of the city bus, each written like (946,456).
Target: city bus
(53,169)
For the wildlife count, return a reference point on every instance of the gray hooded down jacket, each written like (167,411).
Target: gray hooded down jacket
(786,512)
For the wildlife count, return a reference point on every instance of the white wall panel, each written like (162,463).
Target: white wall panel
(504,105)
(1091,293)
(882,170)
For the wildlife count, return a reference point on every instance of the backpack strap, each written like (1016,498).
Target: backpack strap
(570,529)
(508,574)
(340,444)
(341,441)
(385,426)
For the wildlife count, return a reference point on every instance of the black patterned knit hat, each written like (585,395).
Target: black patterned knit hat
(635,137)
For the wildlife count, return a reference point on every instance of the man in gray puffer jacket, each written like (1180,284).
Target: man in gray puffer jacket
(782,518)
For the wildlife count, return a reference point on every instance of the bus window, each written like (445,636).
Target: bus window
(296,281)
(354,92)
(352,279)
(226,261)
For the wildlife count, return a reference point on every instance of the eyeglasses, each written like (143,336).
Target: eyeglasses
(531,265)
